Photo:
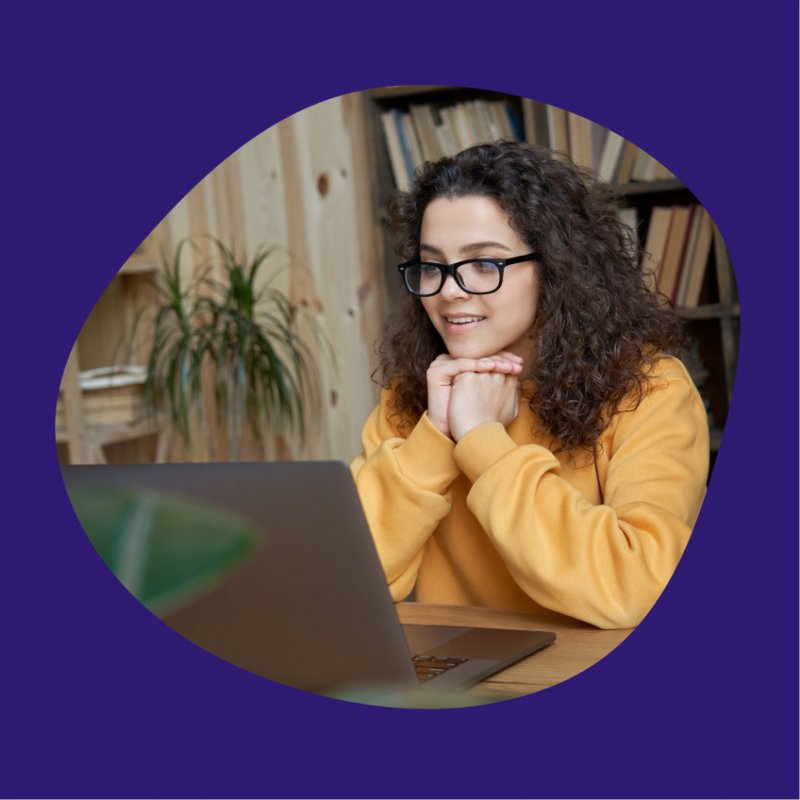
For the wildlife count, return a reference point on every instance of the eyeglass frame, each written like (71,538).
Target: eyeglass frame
(446,270)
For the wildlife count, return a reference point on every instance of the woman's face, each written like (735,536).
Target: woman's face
(474,326)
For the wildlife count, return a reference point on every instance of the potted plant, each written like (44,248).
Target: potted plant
(239,336)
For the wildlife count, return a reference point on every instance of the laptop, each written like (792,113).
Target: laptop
(308,606)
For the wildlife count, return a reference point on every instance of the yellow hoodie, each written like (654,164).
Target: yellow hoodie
(499,521)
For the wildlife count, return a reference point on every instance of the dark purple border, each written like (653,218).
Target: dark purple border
(112,121)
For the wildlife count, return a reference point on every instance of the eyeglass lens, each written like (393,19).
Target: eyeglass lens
(476,276)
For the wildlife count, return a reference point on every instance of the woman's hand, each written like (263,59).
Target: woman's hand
(445,369)
(482,397)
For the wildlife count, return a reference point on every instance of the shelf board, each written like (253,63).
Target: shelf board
(711,311)
(393,92)
(113,434)
(649,187)
(388,92)
(138,268)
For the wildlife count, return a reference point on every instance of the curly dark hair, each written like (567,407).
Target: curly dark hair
(598,326)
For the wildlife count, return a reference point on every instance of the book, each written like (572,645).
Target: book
(409,134)
(688,252)
(109,396)
(630,217)
(502,121)
(657,232)
(580,140)
(515,120)
(391,137)
(626,161)
(669,273)
(445,132)
(422,115)
(557,129)
(644,167)
(463,127)
(405,145)
(660,172)
(490,132)
(475,124)
(535,114)
(609,160)
(699,260)
(599,134)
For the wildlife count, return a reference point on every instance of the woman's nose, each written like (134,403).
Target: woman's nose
(451,290)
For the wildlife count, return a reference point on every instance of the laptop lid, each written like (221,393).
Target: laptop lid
(309,606)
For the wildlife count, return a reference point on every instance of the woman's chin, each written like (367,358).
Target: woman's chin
(460,351)
(469,354)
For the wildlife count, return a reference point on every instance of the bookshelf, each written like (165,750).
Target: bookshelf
(712,315)
(692,263)
(100,413)
(439,102)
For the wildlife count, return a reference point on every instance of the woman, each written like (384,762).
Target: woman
(535,445)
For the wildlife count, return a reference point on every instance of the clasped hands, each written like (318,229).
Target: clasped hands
(465,392)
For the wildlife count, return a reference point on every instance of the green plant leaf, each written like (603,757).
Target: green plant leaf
(261,370)
(164,548)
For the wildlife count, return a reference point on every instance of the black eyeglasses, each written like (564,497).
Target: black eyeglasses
(474,276)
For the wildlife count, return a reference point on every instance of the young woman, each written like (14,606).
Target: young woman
(535,446)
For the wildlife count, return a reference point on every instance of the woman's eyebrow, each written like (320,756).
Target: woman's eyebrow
(467,248)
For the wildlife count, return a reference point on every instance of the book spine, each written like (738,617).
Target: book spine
(405,146)
(393,147)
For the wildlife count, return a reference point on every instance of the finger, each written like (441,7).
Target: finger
(506,365)
(449,369)
(508,355)
(491,378)
(441,359)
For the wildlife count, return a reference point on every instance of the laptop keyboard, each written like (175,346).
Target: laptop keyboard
(428,667)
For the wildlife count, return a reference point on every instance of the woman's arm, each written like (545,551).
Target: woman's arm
(403,484)
(605,564)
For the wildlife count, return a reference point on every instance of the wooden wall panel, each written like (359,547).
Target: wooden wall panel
(325,223)
(303,187)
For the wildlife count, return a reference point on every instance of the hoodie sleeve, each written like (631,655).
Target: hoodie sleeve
(605,564)
(403,483)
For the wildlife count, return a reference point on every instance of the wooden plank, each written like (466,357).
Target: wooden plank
(324,166)
(102,339)
(297,178)
(139,268)
(75,434)
(226,189)
(727,323)
(263,211)
(372,290)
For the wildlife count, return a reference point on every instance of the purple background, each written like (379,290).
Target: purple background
(110,122)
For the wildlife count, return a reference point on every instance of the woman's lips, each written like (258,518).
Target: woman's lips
(463,322)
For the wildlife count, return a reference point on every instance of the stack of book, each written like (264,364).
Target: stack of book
(613,158)
(427,131)
(677,251)
(111,396)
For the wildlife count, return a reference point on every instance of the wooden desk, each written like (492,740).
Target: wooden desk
(577,646)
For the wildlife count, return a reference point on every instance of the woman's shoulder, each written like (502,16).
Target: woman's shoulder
(667,380)
(664,368)
(668,402)
(665,377)
(387,416)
